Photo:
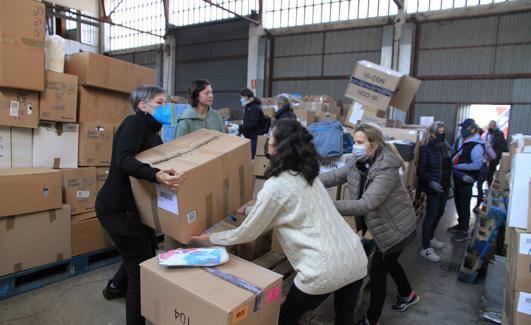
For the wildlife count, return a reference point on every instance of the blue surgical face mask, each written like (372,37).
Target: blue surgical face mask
(359,150)
(163,114)
(243,101)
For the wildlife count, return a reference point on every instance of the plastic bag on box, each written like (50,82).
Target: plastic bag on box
(198,257)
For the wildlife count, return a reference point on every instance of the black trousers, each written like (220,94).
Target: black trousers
(462,198)
(381,265)
(483,175)
(135,243)
(436,202)
(492,169)
(298,302)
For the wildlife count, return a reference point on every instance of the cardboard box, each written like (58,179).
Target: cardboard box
(88,235)
(305,116)
(260,145)
(5,147)
(325,117)
(101,176)
(58,101)
(218,181)
(505,163)
(105,72)
(102,106)
(194,296)
(522,312)
(517,212)
(95,144)
(520,260)
(55,145)
(79,189)
(380,87)
(21,148)
(35,239)
(269,111)
(19,108)
(329,164)
(260,165)
(22,44)
(27,190)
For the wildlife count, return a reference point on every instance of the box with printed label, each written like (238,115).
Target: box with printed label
(79,189)
(58,101)
(260,165)
(517,307)
(88,235)
(27,190)
(22,44)
(19,108)
(218,181)
(34,239)
(102,106)
(95,144)
(101,176)
(195,296)
(520,259)
(108,73)
(55,145)
(380,87)
(5,147)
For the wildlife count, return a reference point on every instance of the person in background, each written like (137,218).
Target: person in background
(379,196)
(468,153)
(326,253)
(255,122)
(434,171)
(483,172)
(498,143)
(284,107)
(115,205)
(200,115)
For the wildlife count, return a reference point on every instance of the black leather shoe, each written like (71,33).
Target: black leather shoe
(111,293)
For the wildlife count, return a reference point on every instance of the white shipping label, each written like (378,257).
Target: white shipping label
(14,108)
(167,199)
(525,244)
(524,303)
(191,216)
(83,194)
(357,113)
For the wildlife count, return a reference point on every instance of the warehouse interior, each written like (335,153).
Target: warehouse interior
(469,59)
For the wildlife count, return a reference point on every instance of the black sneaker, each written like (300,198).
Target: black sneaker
(110,292)
(476,209)
(404,303)
(460,236)
(454,229)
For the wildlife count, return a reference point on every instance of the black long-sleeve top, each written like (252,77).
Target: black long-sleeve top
(137,133)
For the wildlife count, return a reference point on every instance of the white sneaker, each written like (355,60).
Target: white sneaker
(436,244)
(429,254)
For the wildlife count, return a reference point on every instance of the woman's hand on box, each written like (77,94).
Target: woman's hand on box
(170,178)
(241,210)
(202,237)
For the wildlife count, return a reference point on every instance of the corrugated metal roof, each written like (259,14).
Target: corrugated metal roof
(456,61)
(463,32)
(299,44)
(466,91)
(513,59)
(302,66)
(520,119)
(440,112)
(515,28)
(366,39)
(522,90)
(343,64)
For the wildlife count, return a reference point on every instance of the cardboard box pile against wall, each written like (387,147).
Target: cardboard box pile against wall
(102,106)
(219,180)
(34,239)
(95,144)
(198,297)
(22,46)
(15,147)
(519,266)
(88,235)
(79,189)
(58,101)
(517,213)
(101,176)
(19,108)
(55,145)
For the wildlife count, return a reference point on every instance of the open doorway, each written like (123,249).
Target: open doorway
(483,114)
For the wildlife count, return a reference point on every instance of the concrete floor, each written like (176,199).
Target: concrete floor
(443,300)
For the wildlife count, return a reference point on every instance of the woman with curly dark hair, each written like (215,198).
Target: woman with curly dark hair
(326,253)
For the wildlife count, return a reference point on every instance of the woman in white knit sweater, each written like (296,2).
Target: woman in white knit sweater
(322,248)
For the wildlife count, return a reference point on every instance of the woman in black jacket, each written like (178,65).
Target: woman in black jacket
(284,107)
(115,205)
(255,122)
(434,172)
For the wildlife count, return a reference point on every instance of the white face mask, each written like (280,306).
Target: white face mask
(359,150)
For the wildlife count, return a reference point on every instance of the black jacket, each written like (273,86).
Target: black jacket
(254,121)
(498,143)
(285,112)
(137,133)
(433,166)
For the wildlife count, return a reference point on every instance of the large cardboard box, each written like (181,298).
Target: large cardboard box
(260,165)
(517,213)
(21,148)
(5,147)
(27,190)
(108,73)
(260,145)
(35,239)
(88,235)
(58,101)
(22,44)
(195,296)
(305,116)
(101,176)
(19,108)
(505,163)
(520,260)
(55,145)
(380,87)
(330,164)
(95,144)
(218,181)
(102,106)
(79,189)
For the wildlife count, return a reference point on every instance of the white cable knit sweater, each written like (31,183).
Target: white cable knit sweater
(322,248)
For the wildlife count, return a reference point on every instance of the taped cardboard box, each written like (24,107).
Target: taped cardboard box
(380,87)
(58,101)
(260,145)
(195,296)
(27,190)
(5,147)
(218,181)
(22,44)
(518,309)
(108,73)
(505,163)
(101,176)
(517,213)
(305,116)
(79,189)
(520,260)
(19,108)
(55,145)
(260,165)
(88,235)
(21,148)
(102,106)
(35,239)
(95,144)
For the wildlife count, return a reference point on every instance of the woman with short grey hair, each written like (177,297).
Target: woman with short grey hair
(115,205)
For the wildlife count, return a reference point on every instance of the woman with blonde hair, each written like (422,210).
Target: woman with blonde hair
(382,205)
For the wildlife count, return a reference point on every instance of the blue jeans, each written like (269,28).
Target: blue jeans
(253,146)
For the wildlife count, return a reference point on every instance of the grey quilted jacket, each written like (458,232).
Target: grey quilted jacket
(385,203)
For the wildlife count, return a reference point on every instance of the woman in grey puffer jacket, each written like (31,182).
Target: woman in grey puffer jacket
(383,206)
